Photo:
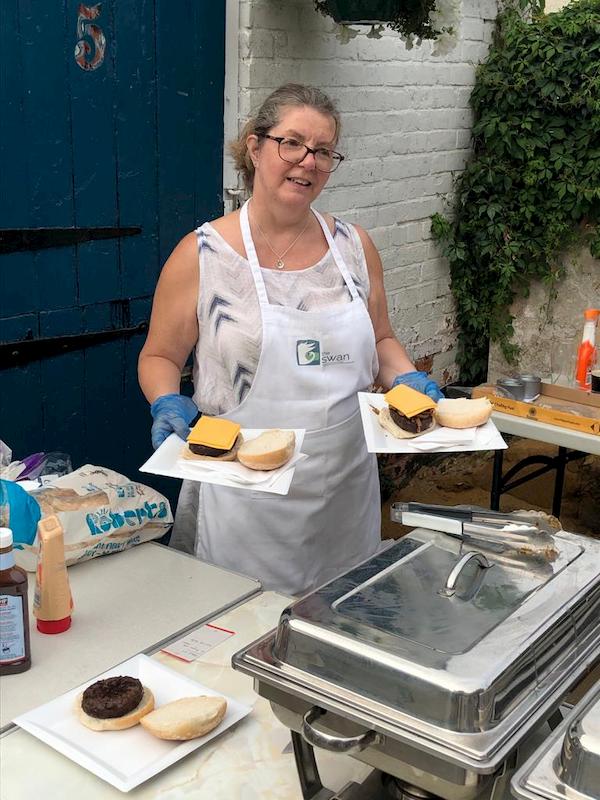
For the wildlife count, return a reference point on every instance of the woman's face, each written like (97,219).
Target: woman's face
(293,184)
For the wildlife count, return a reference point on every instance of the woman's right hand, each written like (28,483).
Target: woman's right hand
(172,413)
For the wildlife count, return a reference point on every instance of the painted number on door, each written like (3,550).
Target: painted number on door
(89,50)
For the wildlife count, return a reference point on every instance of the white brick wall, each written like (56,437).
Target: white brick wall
(406,132)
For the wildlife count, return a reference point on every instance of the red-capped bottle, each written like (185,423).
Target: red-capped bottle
(587,352)
(15,653)
(52,600)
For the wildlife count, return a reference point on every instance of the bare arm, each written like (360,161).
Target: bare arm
(173,324)
(393,359)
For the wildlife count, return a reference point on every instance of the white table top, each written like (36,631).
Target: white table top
(252,761)
(551,434)
(124,603)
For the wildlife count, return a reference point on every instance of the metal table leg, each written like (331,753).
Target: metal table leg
(561,462)
(308,771)
(496,480)
(507,482)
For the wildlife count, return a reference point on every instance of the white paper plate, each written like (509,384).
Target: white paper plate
(123,758)
(167,460)
(439,440)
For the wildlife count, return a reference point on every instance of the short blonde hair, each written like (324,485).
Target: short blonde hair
(268,115)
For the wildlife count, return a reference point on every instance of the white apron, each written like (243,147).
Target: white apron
(311,365)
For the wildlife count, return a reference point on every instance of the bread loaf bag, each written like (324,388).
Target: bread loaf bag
(100,511)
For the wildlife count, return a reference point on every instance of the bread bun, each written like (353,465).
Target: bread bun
(269,450)
(186,718)
(229,455)
(386,422)
(462,412)
(144,707)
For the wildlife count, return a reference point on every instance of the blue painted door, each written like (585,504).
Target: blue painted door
(111,139)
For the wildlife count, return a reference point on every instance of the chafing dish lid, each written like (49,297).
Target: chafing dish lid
(568,760)
(412,602)
(390,631)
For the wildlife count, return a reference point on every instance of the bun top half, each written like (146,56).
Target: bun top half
(269,450)
(186,718)
(463,413)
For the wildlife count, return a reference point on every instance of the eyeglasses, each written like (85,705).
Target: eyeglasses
(295,152)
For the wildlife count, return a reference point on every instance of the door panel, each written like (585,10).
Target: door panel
(137,156)
(94,148)
(43,152)
(126,132)
(181,96)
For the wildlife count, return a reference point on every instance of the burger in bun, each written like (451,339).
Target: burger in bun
(408,413)
(213,439)
(462,412)
(114,704)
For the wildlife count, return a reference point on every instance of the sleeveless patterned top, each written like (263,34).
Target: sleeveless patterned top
(229,319)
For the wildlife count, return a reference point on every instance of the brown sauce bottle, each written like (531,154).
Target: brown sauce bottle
(15,653)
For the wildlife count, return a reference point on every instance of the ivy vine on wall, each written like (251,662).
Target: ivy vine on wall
(532,187)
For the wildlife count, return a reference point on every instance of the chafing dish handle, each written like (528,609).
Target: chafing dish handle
(336,744)
(450,587)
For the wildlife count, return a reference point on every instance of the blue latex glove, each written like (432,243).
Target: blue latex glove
(421,382)
(172,413)
(19,512)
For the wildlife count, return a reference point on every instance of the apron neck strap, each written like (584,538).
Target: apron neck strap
(337,256)
(259,282)
(255,266)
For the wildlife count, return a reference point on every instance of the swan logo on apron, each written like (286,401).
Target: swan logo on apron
(308,352)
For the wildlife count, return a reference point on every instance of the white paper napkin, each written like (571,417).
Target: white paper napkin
(440,437)
(241,475)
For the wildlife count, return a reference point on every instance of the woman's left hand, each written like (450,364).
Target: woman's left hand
(421,382)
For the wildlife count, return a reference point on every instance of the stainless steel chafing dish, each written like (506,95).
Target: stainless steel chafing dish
(434,660)
(567,765)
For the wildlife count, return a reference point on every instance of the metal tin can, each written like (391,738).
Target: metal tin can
(514,386)
(533,385)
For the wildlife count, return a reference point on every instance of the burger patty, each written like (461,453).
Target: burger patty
(417,424)
(202,450)
(112,697)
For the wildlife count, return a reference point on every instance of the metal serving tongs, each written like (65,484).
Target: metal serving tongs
(510,534)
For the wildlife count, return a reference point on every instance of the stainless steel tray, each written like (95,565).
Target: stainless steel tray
(462,674)
(568,763)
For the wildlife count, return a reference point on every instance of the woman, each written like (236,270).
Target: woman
(267,297)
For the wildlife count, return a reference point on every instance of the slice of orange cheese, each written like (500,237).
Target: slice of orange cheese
(212,432)
(408,401)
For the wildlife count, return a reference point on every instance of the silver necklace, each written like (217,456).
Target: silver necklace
(280,263)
